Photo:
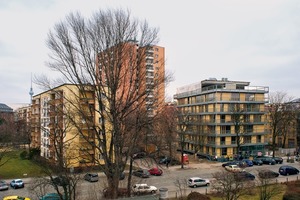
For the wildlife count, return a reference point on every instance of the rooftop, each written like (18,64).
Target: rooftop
(5,108)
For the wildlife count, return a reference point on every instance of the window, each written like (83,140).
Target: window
(249,97)
(225,129)
(247,139)
(235,96)
(222,140)
(248,128)
(224,151)
(257,118)
(258,139)
(233,140)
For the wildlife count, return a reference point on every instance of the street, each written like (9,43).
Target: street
(172,176)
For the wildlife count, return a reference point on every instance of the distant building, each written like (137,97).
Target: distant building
(6,122)
(209,113)
(6,112)
(288,132)
(23,113)
(5,109)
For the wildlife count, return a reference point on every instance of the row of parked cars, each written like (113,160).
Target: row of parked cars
(260,160)
(16,183)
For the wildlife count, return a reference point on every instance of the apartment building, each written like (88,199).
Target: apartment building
(141,68)
(54,115)
(222,116)
(141,74)
(23,113)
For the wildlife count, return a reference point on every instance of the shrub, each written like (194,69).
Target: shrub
(197,196)
(291,196)
(33,152)
(24,155)
(293,191)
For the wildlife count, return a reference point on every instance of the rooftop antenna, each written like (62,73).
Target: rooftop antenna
(31,90)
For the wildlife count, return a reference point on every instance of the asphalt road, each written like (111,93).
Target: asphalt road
(172,177)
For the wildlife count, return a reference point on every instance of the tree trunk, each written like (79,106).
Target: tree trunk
(129,177)
(113,185)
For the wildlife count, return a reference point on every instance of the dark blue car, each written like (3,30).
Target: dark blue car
(248,162)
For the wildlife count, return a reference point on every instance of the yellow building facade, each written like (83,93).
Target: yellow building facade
(61,125)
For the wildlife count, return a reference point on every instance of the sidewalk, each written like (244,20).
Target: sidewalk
(197,164)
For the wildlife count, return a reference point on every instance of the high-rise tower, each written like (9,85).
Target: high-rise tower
(31,91)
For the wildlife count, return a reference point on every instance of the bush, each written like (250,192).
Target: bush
(24,155)
(197,196)
(290,196)
(293,191)
(33,152)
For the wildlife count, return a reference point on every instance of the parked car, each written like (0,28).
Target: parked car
(15,197)
(143,173)
(155,171)
(288,170)
(168,160)
(268,160)
(139,155)
(230,163)
(144,189)
(91,177)
(278,160)
(3,185)
(244,176)
(233,168)
(257,161)
(50,196)
(197,181)
(236,162)
(266,173)
(17,183)
(248,162)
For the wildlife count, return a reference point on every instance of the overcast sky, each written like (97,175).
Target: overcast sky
(249,40)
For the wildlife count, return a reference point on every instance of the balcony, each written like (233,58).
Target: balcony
(149,68)
(87,101)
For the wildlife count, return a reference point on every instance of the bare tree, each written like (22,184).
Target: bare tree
(6,133)
(7,128)
(289,123)
(237,113)
(23,133)
(268,188)
(183,122)
(165,125)
(230,186)
(279,116)
(106,55)
(181,184)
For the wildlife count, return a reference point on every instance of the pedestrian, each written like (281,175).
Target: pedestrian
(167,164)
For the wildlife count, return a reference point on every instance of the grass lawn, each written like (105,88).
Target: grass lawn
(17,167)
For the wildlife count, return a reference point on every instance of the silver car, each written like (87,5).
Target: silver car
(91,177)
(3,185)
(197,181)
(17,183)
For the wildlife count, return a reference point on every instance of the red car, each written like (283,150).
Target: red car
(155,171)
